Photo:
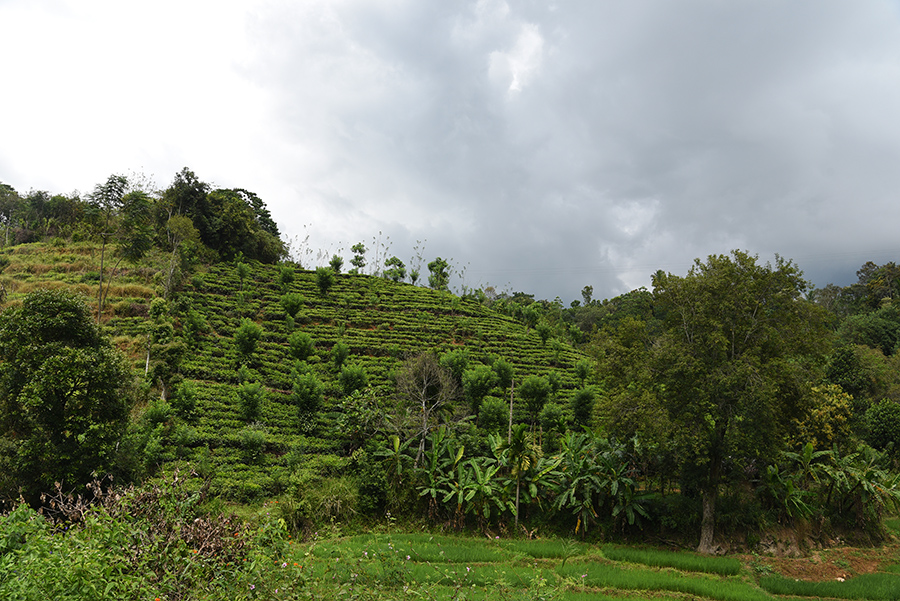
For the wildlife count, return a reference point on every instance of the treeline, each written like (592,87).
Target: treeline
(224,223)
(734,396)
(726,400)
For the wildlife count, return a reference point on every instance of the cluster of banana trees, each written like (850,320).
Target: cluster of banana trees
(591,479)
(853,488)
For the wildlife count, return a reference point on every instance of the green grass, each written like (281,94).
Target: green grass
(545,549)
(877,586)
(611,576)
(725,566)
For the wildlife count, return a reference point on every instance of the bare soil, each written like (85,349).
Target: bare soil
(828,563)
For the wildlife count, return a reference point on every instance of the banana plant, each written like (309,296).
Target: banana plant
(487,493)
(579,484)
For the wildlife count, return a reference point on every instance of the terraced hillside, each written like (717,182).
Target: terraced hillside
(379,323)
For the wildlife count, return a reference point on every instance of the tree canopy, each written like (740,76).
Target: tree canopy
(738,336)
(63,401)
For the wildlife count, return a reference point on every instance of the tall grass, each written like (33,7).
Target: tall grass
(725,566)
(602,575)
(419,548)
(877,586)
(545,549)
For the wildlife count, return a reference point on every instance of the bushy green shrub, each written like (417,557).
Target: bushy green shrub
(884,425)
(301,345)
(353,378)
(246,337)
(308,393)
(493,415)
(251,396)
(253,443)
(292,303)
(339,354)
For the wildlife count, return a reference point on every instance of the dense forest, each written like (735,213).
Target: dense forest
(149,332)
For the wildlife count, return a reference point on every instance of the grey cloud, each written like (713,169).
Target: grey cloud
(596,142)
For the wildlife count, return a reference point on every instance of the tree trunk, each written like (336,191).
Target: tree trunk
(709,494)
(708,522)
(518,482)
(100,293)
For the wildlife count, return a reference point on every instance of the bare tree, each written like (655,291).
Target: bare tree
(425,384)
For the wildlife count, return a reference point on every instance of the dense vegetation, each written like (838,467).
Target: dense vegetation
(148,331)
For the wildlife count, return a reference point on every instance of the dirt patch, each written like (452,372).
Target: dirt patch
(827,564)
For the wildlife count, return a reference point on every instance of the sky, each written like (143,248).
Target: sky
(539,146)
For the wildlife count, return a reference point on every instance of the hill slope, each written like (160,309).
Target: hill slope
(380,323)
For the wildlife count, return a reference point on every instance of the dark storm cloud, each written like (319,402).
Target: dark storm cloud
(552,146)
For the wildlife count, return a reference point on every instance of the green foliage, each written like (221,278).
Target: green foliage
(336,263)
(253,443)
(324,279)
(292,303)
(543,330)
(63,392)
(879,329)
(142,543)
(689,562)
(492,415)
(505,373)
(877,586)
(723,362)
(352,378)
(553,425)
(845,369)
(883,419)
(246,337)
(477,383)
(535,391)
(612,576)
(439,278)
(456,361)
(396,270)
(243,272)
(307,393)
(827,421)
(581,405)
(301,345)
(359,257)
(339,354)
(583,370)
(251,396)
(184,400)
(286,277)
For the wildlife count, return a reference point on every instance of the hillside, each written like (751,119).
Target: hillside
(379,321)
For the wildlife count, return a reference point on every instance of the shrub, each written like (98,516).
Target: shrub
(184,401)
(353,378)
(582,406)
(301,345)
(285,276)
(251,396)
(292,303)
(246,337)
(324,279)
(884,425)
(493,415)
(339,354)
(308,393)
(253,442)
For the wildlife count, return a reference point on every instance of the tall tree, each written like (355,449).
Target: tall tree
(107,197)
(63,401)
(440,274)
(739,337)
(428,387)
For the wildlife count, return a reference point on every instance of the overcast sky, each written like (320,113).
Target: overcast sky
(542,146)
